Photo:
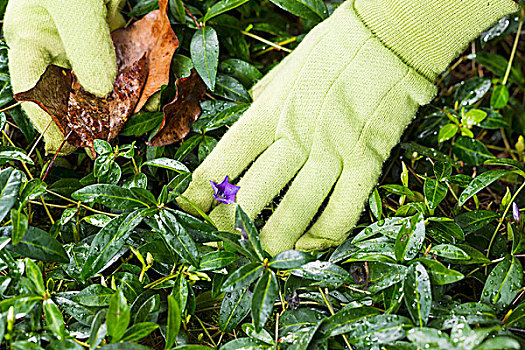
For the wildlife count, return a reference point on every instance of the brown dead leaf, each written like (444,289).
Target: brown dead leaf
(151,34)
(180,113)
(144,52)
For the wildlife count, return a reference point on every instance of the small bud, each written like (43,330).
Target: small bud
(516,212)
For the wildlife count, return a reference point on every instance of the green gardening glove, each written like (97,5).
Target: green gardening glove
(326,118)
(73,34)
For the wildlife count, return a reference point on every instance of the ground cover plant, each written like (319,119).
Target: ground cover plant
(96,253)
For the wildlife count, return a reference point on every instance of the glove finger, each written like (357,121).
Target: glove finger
(53,137)
(301,202)
(344,207)
(245,140)
(262,182)
(85,35)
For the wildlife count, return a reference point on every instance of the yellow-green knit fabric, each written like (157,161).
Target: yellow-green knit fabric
(327,117)
(68,33)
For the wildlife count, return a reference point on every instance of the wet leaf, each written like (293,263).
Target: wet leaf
(435,191)
(418,296)
(234,308)
(118,316)
(265,292)
(474,220)
(10,180)
(503,283)
(204,50)
(471,151)
(480,182)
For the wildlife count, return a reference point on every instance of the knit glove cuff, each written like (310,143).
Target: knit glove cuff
(427,34)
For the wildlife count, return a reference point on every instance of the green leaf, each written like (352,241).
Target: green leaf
(206,145)
(174,321)
(249,235)
(471,91)
(474,220)
(506,162)
(480,182)
(435,192)
(177,11)
(417,294)
(177,238)
(143,7)
(8,153)
(503,283)
(375,204)
(493,121)
(221,7)
(217,120)
(410,239)
(382,275)
(447,132)
(449,251)
(111,196)
(397,189)
(241,70)
(344,320)
(35,276)
(322,271)
(265,293)
(378,329)
(98,329)
(500,97)
(242,277)
(290,259)
(516,319)
(429,338)
(473,117)
(216,260)
(181,65)
(22,121)
(314,10)
(234,308)
(118,316)
(94,295)
(109,241)
(439,274)
(231,89)
(139,331)
(54,319)
(178,185)
(19,222)
(204,49)
(471,151)
(166,163)
(187,146)
(498,343)
(37,244)
(10,180)
(32,189)
(498,65)
(445,231)
(142,123)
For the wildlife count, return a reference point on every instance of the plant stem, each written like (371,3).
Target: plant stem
(514,48)
(276,46)
(503,218)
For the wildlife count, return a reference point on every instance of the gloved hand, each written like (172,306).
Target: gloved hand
(73,34)
(327,117)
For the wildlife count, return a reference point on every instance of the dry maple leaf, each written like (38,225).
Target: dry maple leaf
(144,51)
(180,113)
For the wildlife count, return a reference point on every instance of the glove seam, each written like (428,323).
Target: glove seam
(386,46)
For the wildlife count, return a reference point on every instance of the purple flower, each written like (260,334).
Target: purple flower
(224,192)
(516,212)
